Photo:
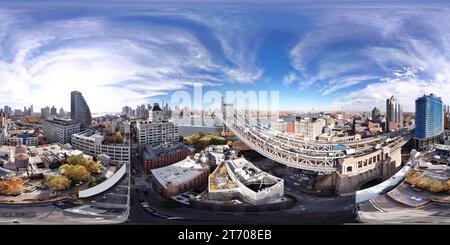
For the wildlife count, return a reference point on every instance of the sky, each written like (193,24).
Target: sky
(319,56)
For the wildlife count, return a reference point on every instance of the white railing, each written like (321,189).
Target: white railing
(105,185)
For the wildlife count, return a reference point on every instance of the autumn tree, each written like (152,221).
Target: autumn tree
(90,165)
(75,172)
(93,167)
(57,182)
(11,186)
(77,160)
(423,183)
(437,186)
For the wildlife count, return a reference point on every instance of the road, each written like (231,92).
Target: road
(308,210)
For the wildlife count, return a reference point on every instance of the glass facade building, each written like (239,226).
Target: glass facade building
(79,109)
(394,114)
(428,117)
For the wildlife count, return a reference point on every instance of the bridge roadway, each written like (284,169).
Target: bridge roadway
(314,146)
(309,155)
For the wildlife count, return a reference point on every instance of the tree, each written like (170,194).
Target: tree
(11,186)
(75,172)
(423,183)
(412,177)
(57,182)
(437,186)
(77,160)
(93,167)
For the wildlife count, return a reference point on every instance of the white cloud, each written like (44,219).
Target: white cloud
(112,63)
(375,53)
(344,82)
(289,79)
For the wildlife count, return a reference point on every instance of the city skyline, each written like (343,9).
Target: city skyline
(323,58)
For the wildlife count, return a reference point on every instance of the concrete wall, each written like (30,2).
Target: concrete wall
(348,182)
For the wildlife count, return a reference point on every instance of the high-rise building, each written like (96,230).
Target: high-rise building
(376,115)
(53,111)
(79,109)
(7,109)
(156,129)
(156,114)
(57,130)
(429,121)
(62,113)
(45,112)
(126,110)
(394,114)
(428,116)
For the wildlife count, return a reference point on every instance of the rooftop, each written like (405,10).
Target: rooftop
(160,150)
(99,136)
(178,173)
(250,175)
(62,122)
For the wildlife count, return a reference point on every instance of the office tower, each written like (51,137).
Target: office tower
(429,121)
(376,115)
(79,109)
(394,114)
(62,113)
(45,112)
(53,111)
(428,116)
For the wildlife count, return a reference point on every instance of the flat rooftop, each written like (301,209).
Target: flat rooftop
(95,135)
(178,173)
(150,152)
(62,122)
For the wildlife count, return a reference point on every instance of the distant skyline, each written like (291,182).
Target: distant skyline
(321,56)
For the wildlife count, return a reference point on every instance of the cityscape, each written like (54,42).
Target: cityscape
(212,145)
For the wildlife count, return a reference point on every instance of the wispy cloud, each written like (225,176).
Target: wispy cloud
(366,54)
(112,62)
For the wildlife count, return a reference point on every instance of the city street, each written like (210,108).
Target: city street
(308,210)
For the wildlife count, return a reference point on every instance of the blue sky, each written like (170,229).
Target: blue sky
(320,56)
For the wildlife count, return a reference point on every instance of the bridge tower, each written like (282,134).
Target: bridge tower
(224,115)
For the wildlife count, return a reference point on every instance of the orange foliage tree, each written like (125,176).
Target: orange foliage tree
(11,186)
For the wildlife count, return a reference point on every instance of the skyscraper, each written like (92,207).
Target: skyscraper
(428,117)
(376,115)
(394,114)
(45,112)
(79,109)
(53,111)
